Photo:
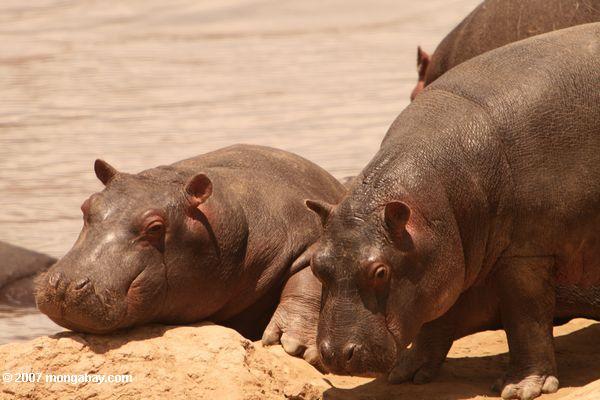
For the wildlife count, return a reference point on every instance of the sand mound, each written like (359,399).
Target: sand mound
(206,361)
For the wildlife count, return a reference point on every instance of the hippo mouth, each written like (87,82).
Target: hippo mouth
(375,366)
(374,363)
(84,327)
(373,356)
(80,307)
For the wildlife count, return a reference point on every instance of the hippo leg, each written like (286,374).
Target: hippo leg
(476,310)
(422,361)
(527,300)
(294,323)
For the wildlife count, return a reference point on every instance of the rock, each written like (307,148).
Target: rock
(207,361)
(588,392)
(201,361)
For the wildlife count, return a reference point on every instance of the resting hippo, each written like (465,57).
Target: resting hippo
(495,23)
(18,267)
(481,210)
(223,236)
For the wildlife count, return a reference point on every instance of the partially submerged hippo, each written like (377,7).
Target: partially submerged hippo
(223,236)
(18,268)
(495,23)
(480,211)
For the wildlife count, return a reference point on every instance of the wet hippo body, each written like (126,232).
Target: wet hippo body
(223,236)
(480,210)
(18,268)
(495,23)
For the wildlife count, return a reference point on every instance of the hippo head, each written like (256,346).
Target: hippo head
(145,252)
(383,274)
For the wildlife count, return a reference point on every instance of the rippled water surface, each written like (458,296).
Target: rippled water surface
(146,82)
(23,324)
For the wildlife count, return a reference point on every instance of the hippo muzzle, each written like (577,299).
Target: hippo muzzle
(78,304)
(353,340)
(102,284)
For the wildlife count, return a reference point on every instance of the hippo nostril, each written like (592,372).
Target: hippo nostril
(55,279)
(349,351)
(82,283)
(326,351)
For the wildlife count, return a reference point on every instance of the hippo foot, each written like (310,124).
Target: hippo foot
(413,366)
(526,388)
(294,323)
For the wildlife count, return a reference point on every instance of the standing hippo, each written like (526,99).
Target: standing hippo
(495,23)
(223,236)
(481,210)
(18,268)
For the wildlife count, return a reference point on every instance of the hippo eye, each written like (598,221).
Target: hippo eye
(154,232)
(154,228)
(378,274)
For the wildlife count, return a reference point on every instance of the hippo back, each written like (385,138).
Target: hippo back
(536,101)
(495,23)
(262,163)
(18,267)
(541,93)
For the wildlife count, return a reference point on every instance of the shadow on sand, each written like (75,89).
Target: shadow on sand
(577,356)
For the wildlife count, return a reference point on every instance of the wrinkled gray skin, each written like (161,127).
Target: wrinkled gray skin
(481,210)
(223,236)
(495,23)
(18,268)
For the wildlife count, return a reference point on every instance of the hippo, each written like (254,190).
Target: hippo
(18,268)
(224,236)
(495,23)
(481,210)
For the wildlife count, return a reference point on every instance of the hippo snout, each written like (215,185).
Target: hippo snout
(328,354)
(57,282)
(55,279)
(83,284)
(342,359)
(57,288)
(75,304)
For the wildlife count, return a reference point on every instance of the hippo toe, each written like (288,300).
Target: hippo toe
(294,323)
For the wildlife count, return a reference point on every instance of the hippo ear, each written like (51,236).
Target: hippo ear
(322,209)
(104,171)
(199,188)
(396,215)
(422,62)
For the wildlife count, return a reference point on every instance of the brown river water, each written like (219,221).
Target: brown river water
(145,82)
